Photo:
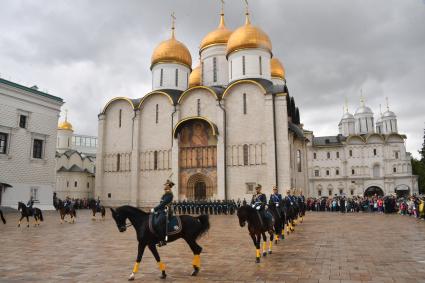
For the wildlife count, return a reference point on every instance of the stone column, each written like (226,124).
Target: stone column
(98,192)
(135,160)
(270,143)
(221,162)
(282,138)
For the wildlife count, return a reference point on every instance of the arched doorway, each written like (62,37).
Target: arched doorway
(200,190)
(372,191)
(402,191)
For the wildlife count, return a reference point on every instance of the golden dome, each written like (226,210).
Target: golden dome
(276,68)
(218,36)
(172,51)
(248,36)
(65,125)
(195,77)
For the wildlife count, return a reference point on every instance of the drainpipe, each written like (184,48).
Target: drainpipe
(225,149)
(275,141)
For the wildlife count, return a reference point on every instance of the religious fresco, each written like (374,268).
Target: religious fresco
(197,159)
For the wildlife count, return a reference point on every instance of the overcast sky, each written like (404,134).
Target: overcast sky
(88,52)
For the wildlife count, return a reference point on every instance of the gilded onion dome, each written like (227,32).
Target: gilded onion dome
(65,125)
(248,36)
(171,51)
(195,77)
(276,68)
(218,36)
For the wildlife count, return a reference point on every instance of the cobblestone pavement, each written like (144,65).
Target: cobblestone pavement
(327,247)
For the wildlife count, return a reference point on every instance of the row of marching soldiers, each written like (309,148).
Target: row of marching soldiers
(212,207)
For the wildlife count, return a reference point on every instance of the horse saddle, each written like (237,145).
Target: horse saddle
(98,209)
(157,224)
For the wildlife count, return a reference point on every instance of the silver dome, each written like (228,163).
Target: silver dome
(364,110)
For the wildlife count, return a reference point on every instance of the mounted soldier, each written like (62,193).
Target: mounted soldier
(30,204)
(258,202)
(162,211)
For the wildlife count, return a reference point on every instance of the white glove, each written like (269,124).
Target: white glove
(152,210)
(258,207)
(253,206)
(277,205)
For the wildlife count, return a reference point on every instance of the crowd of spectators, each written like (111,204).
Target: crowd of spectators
(413,205)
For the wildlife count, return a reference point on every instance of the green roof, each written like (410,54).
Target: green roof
(35,91)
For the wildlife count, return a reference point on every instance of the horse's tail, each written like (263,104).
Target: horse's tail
(41,215)
(205,225)
(2,217)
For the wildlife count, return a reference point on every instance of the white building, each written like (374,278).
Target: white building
(363,159)
(75,163)
(216,131)
(28,122)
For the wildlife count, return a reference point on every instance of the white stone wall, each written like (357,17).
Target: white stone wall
(169,76)
(252,66)
(18,168)
(222,69)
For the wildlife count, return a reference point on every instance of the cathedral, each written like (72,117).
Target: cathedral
(216,130)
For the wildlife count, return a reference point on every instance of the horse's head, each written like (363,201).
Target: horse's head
(20,206)
(120,219)
(243,215)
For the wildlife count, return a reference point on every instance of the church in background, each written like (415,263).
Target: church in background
(75,163)
(216,130)
(366,158)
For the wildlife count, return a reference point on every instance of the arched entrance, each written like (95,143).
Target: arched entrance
(372,191)
(197,140)
(402,191)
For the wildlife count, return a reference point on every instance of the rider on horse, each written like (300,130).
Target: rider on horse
(275,198)
(259,201)
(67,203)
(161,210)
(30,204)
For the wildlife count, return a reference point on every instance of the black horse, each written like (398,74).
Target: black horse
(279,220)
(192,228)
(290,213)
(256,229)
(27,212)
(2,217)
(70,210)
(94,208)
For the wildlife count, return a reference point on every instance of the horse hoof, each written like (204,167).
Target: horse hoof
(257,260)
(195,271)
(163,275)
(131,278)
(264,254)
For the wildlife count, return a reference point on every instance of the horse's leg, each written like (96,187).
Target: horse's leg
(264,243)
(94,214)
(28,221)
(140,252)
(257,247)
(196,249)
(19,223)
(161,265)
(35,220)
(271,242)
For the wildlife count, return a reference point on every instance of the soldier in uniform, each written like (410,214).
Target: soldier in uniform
(161,210)
(259,201)
(30,203)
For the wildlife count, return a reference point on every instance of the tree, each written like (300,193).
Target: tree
(418,168)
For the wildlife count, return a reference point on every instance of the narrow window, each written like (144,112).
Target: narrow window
(394,170)
(243,65)
(351,153)
(22,121)
(374,152)
(330,192)
(244,103)
(261,65)
(298,159)
(314,155)
(177,77)
(3,143)
(37,150)
(155,160)
(34,193)
(156,114)
(109,195)
(396,155)
(118,162)
(337,172)
(119,118)
(231,69)
(352,192)
(319,193)
(88,185)
(340,191)
(327,173)
(75,184)
(328,155)
(353,172)
(337,154)
(214,69)
(67,184)
(161,77)
(198,107)
(245,154)
(316,173)
(202,73)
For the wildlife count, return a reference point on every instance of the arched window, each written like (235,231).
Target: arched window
(376,171)
(214,69)
(119,118)
(243,65)
(161,77)
(245,155)
(198,107)
(260,63)
(155,160)
(118,162)
(157,114)
(298,159)
(75,184)
(177,77)
(202,73)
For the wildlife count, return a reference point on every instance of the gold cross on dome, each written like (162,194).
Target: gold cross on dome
(173,20)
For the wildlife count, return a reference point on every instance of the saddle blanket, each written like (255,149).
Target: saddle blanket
(174,224)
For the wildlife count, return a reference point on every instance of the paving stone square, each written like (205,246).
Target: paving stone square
(327,247)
